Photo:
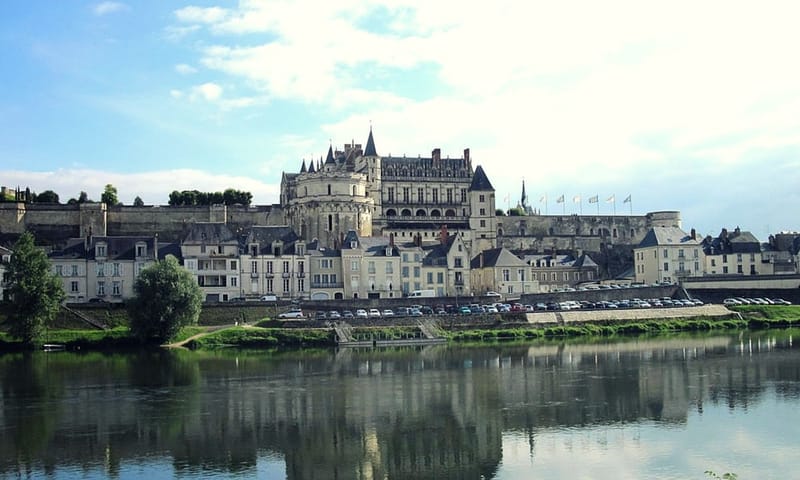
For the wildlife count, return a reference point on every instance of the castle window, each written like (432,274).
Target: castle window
(329,189)
(330,223)
(481,198)
(420,213)
(354,190)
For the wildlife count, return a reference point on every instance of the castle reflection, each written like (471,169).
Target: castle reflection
(437,412)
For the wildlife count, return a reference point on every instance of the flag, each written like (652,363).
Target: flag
(506,198)
(543,199)
(593,199)
(560,199)
(627,199)
(576,199)
(610,199)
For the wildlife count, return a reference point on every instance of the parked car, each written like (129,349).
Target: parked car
(333,314)
(464,310)
(361,313)
(268,298)
(492,294)
(347,314)
(293,313)
(415,312)
(387,312)
(374,313)
(320,315)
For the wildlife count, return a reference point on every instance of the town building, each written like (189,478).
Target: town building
(499,270)
(666,255)
(557,272)
(734,253)
(211,254)
(5,259)
(105,269)
(274,262)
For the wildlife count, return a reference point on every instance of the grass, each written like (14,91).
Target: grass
(251,337)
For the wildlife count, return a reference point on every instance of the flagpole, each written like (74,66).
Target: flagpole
(598,205)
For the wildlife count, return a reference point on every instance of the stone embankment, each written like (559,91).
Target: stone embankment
(626,315)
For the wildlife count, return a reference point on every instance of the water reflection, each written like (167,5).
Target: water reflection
(443,412)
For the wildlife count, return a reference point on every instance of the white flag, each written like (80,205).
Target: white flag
(560,199)
(610,199)
(593,199)
(627,199)
(543,199)
(576,199)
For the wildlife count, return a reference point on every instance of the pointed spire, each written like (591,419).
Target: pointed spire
(524,199)
(480,182)
(303,168)
(370,151)
(311,168)
(329,160)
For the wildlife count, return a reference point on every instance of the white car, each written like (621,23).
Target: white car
(293,313)
(387,313)
(361,313)
(374,313)
(492,294)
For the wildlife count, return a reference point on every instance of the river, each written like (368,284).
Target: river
(667,407)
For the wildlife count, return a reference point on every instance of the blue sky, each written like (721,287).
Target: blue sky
(682,106)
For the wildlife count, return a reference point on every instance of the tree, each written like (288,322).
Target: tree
(166,299)
(48,196)
(138,202)
(35,291)
(499,212)
(109,196)
(83,197)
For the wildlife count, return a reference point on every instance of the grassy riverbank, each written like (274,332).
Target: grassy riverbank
(267,335)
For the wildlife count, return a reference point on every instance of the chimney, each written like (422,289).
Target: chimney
(466,154)
(480,260)
(694,234)
(391,239)
(155,247)
(436,154)
(443,235)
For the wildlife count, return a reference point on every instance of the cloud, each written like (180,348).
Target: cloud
(185,69)
(153,186)
(106,8)
(208,15)
(208,91)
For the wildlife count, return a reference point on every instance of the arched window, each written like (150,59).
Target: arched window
(435,213)
(450,213)
(406,212)
(420,213)
(354,190)
(391,212)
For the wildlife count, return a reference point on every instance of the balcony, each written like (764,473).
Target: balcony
(286,275)
(254,275)
(327,284)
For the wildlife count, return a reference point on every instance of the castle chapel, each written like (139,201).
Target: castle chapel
(410,199)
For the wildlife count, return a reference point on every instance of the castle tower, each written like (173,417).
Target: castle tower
(482,221)
(372,167)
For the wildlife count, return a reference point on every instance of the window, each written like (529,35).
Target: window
(101,289)
(482,211)
(354,265)
(371,267)
(440,278)
(420,195)
(449,195)
(680,253)
(752,257)
(753,270)
(724,259)
(73,286)
(463,195)
(666,253)
(100,251)
(286,284)
(202,249)
(696,266)
(713,262)
(680,266)
(417,272)
(269,285)
(117,269)
(389,267)
(269,267)
(695,253)
(739,258)
(286,267)
(301,268)
(74,270)
(506,275)
(435,195)
(481,198)
(115,289)
(221,249)
(141,250)
(391,194)
(724,269)
(406,194)
(483,223)
(404,272)
(666,266)
(326,263)
(233,265)
(739,269)
(101,269)
(457,262)
(60,270)
(254,266)
(301,285)
(566,277)
(430,277)
(234,281)
(521,274)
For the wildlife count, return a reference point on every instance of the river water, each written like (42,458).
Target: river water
(655,407)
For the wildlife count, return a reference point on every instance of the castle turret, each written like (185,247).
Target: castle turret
(482,221)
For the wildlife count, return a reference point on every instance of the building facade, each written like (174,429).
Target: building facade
(666,255)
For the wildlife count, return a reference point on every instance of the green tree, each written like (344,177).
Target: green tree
(166,299)
(109,196)
(48,196)
(35,291)
(138,202)
(83,197)
(499,212)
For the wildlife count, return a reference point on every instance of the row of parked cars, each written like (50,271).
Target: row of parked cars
(755,301)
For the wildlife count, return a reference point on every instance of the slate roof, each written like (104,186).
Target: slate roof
(480,182)
(583,261)
(209,232)
(496,257)
(736,241)
(265,236)
(666,236)
(117,248)
(436,253)
(370,151)
(330,160)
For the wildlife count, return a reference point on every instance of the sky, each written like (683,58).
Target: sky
(682,105)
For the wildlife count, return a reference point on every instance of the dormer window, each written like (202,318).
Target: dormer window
(277,249)
(353,244)
(388,251)
(141,250)
(253,249)
(100,250)
(300,249)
